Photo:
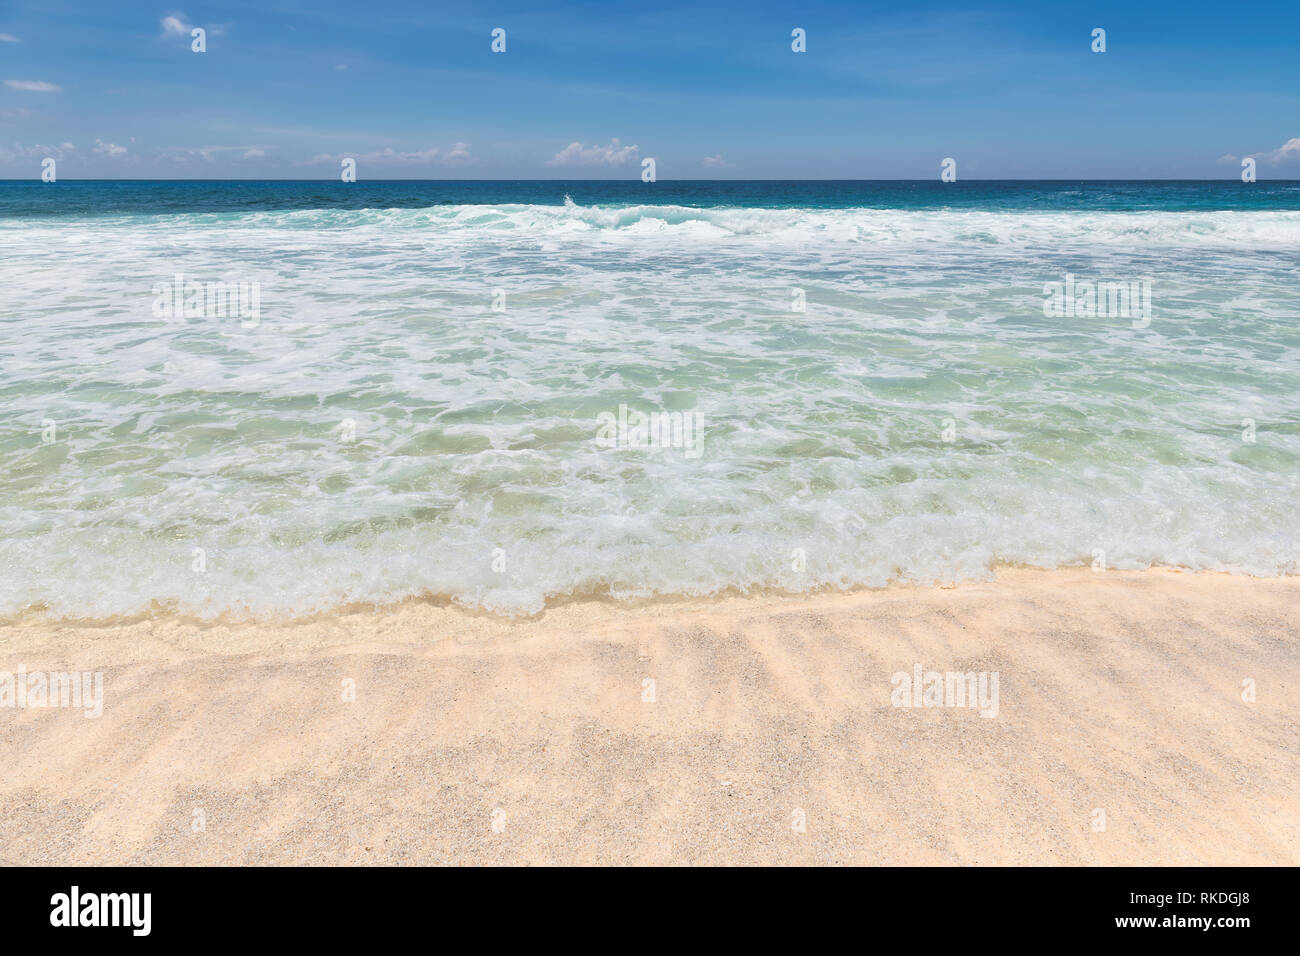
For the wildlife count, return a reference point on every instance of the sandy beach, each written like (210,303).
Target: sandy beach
(752,730)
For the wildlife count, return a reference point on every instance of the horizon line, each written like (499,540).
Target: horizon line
(513,179)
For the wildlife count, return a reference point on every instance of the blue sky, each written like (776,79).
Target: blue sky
(710,90)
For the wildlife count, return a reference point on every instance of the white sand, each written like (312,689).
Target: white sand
(1119,692)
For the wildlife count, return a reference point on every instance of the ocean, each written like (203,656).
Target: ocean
(268,399)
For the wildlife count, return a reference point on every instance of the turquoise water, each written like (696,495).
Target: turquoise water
(25,198)
(408,397)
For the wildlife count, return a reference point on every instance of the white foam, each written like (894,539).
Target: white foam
(476,429)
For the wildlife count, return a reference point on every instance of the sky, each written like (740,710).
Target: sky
(413,90)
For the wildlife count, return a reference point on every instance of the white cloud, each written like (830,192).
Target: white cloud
(33,86)
(575,154)
(389,155)
(341,66)
(459,153)
(1285,153)
(450,156)
(110,149)
(714,162)
(37,152)
(9,38)
(175,25)
(184,154)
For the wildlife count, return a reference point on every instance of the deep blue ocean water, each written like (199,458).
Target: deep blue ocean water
(92,197)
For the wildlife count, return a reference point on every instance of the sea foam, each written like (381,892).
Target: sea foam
(417,412)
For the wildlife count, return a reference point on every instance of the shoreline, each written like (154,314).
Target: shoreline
(32,617)
(1120,691)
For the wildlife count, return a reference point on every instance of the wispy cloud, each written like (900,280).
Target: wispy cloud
(459,153)
(714,162)
(110,149)
(18,152)
(33,86)
(185,154)
(576,154)
(452,155)
(1285,153)
(175,24)
(9,38)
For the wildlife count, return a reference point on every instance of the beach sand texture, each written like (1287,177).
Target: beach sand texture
(482,739)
